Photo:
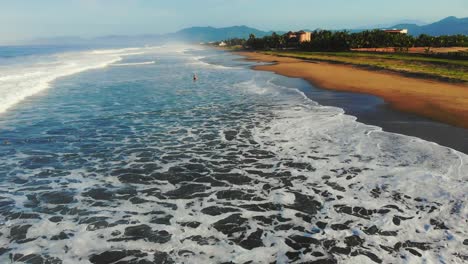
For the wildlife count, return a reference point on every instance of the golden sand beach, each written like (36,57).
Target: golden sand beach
(438,100)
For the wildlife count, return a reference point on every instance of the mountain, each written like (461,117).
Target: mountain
(447,26)
(192,35)
(207,34)
(390,25)
(410,21)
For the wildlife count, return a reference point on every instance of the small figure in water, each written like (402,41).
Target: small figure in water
(195,77)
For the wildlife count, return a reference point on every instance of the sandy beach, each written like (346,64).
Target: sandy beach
(437,100)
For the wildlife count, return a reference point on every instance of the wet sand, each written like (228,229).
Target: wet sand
(444,102)
(385,112)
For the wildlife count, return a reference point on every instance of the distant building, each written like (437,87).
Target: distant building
(222,44)
(396,31)
(300,36)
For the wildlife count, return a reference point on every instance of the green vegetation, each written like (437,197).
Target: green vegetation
(325,40)
(336,47)
(418,64)
(234,42)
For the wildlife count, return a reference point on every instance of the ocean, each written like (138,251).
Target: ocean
(119,156)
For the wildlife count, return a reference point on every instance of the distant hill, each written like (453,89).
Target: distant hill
(192,35)
(207,34)
(447,26)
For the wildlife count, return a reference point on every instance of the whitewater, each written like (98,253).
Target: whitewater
(118,156)
(20,80)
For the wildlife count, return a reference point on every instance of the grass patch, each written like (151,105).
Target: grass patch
(441,68)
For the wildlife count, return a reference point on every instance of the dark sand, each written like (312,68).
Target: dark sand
(374,110)
(437,100)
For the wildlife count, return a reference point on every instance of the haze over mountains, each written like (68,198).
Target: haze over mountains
(447,26)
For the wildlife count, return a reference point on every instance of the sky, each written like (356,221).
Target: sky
(29,19)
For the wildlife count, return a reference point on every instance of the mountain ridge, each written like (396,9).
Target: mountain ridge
(448,26)
(209,33)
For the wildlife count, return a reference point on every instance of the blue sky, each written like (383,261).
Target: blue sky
(25,19)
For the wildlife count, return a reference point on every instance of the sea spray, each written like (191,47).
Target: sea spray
(142,164)
(21,80)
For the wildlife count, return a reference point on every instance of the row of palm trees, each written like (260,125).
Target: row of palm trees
(325,40)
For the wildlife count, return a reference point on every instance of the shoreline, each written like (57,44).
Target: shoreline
(441,101)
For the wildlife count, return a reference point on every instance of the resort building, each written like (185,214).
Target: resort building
(300,36)
(222,44)
(396,31)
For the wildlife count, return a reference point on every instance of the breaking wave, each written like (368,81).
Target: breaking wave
(234,169)
(18,81)
(134,63)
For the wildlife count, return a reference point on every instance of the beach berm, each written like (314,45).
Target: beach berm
(439,100)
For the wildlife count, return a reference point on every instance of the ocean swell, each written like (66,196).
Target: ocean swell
(18,81)
(155,168)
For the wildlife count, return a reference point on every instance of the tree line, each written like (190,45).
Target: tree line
(325,40)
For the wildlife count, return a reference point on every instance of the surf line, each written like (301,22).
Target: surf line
(134,63)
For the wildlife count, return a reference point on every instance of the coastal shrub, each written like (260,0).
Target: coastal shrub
(326,40)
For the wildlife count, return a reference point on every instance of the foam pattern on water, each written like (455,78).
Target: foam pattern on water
(141,165)
(19,80)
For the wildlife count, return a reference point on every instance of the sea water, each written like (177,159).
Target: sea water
(118,156)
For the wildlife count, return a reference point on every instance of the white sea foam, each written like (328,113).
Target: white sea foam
(396,163)
(199,61)
(134,63)
(22,80)
(284,154)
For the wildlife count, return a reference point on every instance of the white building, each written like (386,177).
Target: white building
(396,31)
